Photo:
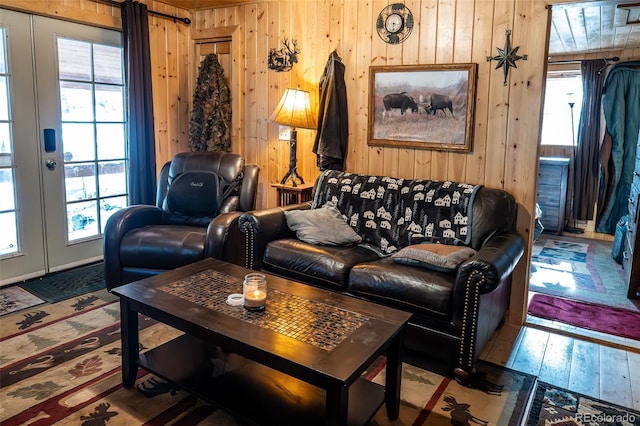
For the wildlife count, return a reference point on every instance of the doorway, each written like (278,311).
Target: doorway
(570,260)
(224,42)
(62,143)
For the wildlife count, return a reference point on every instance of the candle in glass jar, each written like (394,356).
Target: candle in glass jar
(255,291)
(255,298)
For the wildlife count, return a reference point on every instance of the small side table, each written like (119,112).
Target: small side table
(288,194)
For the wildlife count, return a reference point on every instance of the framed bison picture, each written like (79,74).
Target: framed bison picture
(422,106)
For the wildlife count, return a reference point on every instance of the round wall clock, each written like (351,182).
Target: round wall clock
(394,23)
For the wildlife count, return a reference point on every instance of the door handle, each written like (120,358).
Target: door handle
(50,163)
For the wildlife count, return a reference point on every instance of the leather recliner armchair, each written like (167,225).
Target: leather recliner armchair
(143,240)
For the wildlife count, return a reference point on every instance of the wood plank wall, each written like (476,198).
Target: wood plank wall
(446,31)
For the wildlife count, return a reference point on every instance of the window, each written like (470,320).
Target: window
(559,118)
(8,213)
(91,83)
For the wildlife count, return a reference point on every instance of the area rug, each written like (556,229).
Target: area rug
(14,298)
(60,364)
(561,266)
(66,284)
(577,268)
(557,406)
(605,319)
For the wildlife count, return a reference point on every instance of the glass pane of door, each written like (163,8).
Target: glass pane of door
(9,241)
(93,134)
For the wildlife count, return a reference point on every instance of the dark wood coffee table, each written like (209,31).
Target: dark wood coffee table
(299,362)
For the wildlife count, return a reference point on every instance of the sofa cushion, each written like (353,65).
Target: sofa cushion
(418,290)
(439,257)
(326,266)
(324,226)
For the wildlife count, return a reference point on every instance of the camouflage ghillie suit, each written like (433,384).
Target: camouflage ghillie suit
(210,125)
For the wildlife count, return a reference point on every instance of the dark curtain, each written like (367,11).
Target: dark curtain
(587,164)
(137,59)
(210,125)
(331,141)
(621,107)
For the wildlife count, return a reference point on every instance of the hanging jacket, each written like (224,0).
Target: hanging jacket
(621,108)
(331,141)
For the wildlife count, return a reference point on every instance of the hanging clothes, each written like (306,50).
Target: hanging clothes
(331,141)
(210,125)
(621,108)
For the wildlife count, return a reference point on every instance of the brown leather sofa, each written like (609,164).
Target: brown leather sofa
(143,240)
(454,313)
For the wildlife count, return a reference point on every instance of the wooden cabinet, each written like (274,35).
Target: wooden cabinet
(631,254)
(552,192)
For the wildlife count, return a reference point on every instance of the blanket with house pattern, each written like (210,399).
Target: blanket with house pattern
(391,213)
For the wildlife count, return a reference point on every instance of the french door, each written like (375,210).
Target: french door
(62,142)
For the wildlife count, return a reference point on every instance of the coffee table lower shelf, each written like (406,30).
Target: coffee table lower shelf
(249,390)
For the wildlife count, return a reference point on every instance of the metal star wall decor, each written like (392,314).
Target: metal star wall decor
(507,57)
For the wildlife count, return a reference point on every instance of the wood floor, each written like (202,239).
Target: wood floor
(589,364)
(595,364)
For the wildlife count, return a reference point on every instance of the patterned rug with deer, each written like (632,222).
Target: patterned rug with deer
(60,363)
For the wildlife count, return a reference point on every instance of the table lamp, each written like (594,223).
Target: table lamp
(294,110)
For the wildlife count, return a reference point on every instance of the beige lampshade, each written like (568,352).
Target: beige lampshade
(294,110)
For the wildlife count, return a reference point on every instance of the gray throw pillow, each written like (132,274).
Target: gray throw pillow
(323,226)
(439,257)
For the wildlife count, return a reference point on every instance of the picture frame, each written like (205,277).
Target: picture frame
(422,106)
